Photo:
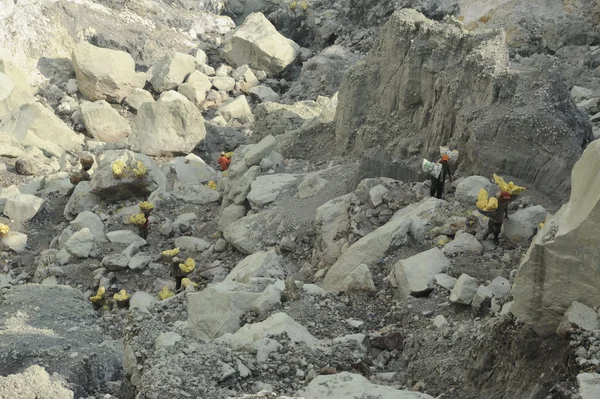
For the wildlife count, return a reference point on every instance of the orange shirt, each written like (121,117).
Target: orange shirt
(224,162)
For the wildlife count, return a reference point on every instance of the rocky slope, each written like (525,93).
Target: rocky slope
(317,265)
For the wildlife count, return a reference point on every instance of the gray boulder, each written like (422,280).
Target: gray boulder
(11,95)
(468,189)
(464,290)
(35,125)
(359,280)
(91,221)
(264,94)
(464,243)
(408,222)
(562,262)
(103,123)
(105,185)
(137,98)
(81,244)
(167,127)
(82,199)
(217,309)
(347,385)
(259,264)
(258,44)
(265,189)
(229,215)
(103,74)
(171,71)
(236,109)
(416,275)
(198,195)
(23,207)
(332,221)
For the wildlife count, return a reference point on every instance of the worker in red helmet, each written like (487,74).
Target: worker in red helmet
(437,183)
(497,218)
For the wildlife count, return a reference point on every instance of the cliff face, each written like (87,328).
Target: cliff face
(428,84)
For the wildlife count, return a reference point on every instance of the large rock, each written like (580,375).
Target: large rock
(347,385)
(416,275)
(589,385)
(360,280)
(91,221)
(23,207)
(578,318)
(488,110)
(197,195)
(332,221)
(239,188)
(103,123)
(563,262)
(258,44)
(259,264)
(275,119)
(105,185)
(137,98)
(167,127)
(35,125)
(256,152)
(217,309)
(250,233)
(274,326)
(406,226)
(35,320)
(229,215)
(103,74)
(34,381)
(464,243)
(468,189)
(265,189)
(171,71)
(191,170)
(236,109)
(464,290)
(82,199)
(11,95)
(523,224)
(81,243)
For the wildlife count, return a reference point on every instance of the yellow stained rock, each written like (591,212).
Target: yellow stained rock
(188,266)
(165,293)
(169,253)
(118,169)
(99,295)
(4,230)
(140,170)
(138,219)
(121,296)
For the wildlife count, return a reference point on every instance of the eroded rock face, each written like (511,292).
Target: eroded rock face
(444,84)
(563,263)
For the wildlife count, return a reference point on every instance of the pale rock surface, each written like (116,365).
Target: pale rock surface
(103,74)
(167,127)
(137,98)
(265,189)
(258,44)
(260,264)
(23,207)
(34,382)
(170,71)
(464,243)
(563,262)
(360,280)
(578,317)
(464,290)
(347,385)
(374,246)
(103,123)
(416,275)
(311,185)
(236,109)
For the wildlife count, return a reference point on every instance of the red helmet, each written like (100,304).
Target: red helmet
(505,194)
(445,157)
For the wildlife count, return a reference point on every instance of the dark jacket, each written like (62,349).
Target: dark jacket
(445,173)
(501,212)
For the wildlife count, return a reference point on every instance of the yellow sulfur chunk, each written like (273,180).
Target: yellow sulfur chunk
(138,219)
(98,295)
(212,185)
(169,253)
(121,296)
(165,293)
(118,169)
(188,266)
(146,206)
(542,225)
(186,282)
(4,230)
(485,203)
(511,187)
(229,154)
(140,170)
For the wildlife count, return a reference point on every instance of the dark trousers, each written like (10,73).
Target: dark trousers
(437,188)
(493,228)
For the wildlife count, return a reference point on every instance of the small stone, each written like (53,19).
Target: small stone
(464,290)
(439,321)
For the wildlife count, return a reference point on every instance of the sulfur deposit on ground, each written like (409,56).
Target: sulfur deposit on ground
(317,265)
